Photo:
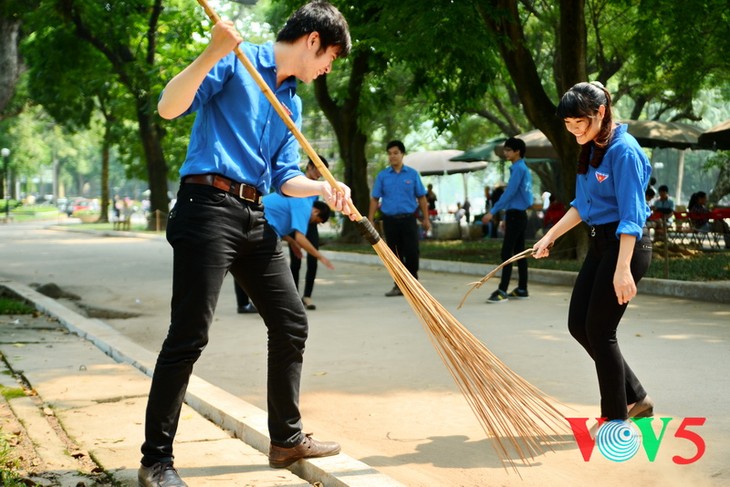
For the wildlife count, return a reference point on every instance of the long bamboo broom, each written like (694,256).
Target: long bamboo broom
(511,410)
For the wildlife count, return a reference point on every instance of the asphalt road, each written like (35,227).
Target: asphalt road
(373,381)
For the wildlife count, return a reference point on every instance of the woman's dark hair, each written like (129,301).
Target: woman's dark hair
(321,17)
(583,100)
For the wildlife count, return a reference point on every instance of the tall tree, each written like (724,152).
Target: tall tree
(125,40)
(10,35)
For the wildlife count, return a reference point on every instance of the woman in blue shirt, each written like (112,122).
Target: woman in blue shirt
(613,172)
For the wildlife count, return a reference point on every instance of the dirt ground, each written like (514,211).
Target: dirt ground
(23,459)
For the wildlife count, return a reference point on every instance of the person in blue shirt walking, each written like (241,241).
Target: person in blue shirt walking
(399,191)
(239,150)
(613,173)
(515,200)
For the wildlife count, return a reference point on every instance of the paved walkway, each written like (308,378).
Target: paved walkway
(361,359)
(93,380)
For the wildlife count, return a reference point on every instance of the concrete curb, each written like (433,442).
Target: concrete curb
(242,419)
(715,292)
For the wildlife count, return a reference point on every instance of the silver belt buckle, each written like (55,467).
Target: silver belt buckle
(593,231)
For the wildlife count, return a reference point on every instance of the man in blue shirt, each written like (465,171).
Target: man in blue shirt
(515,200)
(239,150)
(399,192)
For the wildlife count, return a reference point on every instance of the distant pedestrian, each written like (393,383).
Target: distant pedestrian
(399,192)
(515,200)
(431,198)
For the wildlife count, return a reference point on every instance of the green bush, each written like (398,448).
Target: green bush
(12,306)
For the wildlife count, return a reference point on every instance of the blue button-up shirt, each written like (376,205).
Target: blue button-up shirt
(614,191)
(398,191)
(518,193)
(237,133)
(286,214)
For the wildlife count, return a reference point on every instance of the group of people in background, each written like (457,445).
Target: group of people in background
(699,214)
(663,208)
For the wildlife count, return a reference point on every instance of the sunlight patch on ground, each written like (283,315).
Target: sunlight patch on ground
(704,338)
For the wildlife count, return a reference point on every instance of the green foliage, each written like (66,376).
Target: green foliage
(13,306)
(8,465)
(11,392)
(680,48)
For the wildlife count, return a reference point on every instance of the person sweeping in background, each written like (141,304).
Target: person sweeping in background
(290,218)
(312,234)
(613,173)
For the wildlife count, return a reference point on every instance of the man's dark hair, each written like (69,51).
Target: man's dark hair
(324,210)
(664,188)
(516,144)
(396,143)
(321,17)
(321,158)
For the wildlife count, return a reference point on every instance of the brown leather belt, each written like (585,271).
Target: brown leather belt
(244,191)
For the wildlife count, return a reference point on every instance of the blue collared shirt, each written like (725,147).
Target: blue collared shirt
(286,214)
(518,193)
(398,191)
(237,133)
(614,191)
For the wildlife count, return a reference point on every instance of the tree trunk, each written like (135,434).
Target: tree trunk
(357,179)
(350,138)
(156,166)
(105,148)
(9,60)
(537,105)
(722,186)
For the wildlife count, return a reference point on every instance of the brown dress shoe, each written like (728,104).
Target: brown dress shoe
(309,448)
(643,408)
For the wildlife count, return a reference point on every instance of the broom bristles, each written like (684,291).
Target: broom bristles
(513,412)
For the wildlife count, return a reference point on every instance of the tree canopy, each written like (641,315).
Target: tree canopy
(451,63)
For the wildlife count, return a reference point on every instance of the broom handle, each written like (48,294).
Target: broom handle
(281,110)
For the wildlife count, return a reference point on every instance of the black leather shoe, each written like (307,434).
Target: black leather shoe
(309,448)
(394,292)
(249,308)
(161,474)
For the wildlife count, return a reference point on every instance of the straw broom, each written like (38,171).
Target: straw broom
(512,411)
(478,284)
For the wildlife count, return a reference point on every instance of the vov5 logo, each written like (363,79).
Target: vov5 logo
(619,440)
